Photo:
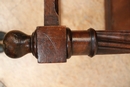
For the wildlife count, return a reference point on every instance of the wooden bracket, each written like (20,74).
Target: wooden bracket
(51,13)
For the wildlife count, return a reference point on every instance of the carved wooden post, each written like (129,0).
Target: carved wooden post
(55,44)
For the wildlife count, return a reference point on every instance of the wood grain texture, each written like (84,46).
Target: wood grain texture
(51,13)
(117,14)
(51,44)
(80,71)
(55,44)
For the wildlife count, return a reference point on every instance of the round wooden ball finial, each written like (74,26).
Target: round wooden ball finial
(16,44)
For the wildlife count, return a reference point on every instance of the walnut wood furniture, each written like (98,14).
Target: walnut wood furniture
(53,43)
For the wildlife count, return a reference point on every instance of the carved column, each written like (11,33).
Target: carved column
(55,44)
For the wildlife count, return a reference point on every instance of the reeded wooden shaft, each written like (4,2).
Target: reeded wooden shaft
(55,44)
(113,42)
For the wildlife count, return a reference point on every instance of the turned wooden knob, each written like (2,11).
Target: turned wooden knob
(17,44)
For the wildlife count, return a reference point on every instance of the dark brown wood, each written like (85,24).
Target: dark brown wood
(51,13)
(51,44)
(113,42)
(84,42)
(16,44)
(55,44)
(117,14)
(46,44)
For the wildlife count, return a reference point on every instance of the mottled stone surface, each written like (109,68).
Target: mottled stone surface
(80,71)
(2,84)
